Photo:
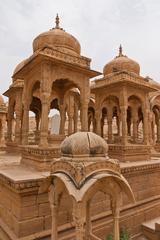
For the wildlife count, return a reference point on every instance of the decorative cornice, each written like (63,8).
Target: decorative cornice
(33,184)
(68,58)
(21,185)
(43,153)
(80,170)
(123,77)
(140,169)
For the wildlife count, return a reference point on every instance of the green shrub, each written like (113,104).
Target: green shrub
(109,237)
(124,235)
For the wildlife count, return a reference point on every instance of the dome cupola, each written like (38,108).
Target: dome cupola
(84,144)
(59,39)
(121,63)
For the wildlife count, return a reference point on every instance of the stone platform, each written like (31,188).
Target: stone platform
(13,147)
(39,158)
(129,152)
(151,229)
(25,210)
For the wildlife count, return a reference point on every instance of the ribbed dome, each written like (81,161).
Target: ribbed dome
(59,39)
(121,63)
(84,144)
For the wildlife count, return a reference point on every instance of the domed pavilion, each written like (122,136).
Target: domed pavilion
(122,99)
(43,81)
(83,170)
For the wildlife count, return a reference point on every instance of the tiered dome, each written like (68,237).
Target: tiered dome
(84,144)
(59,39)
(121,63)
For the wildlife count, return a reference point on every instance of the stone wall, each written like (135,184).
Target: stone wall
(28,212)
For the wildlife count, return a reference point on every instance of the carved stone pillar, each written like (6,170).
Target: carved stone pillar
(78,220)
(145,126)
(116,215)
(18,111)
(102,126)
(75,118)
(146,118)
(116,225)
(37,119)
(110,131)
(118,125)
(18,119)
(135,125)
(63,119)
(54,212)
(18,129)
(124,124)
(70,124)
(89,123)
(98,122)
(44,120)
(2,134)
(153,132)
(158,130)
(25,124)
(94,125)
(9,122)
(152,128)
(109,119)
(84,119)
(88,229)
(135,130)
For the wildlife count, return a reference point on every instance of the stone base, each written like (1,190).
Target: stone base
(3,147)
(39,157)
(157,147)
(55,139)
(129,152)
(151,229)
(25,210)
(12,147)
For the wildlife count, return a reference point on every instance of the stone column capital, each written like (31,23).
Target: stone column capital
(45,97)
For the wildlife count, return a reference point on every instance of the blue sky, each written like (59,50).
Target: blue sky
(99,25)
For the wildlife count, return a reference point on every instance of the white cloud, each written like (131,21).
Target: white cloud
(99,25)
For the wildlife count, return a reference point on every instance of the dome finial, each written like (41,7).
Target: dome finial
(120,51)
(57,21)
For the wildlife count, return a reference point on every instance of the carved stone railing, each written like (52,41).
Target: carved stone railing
(80,61)
(3,109)
(40,158)
(130,152)
(41,152)
(144,168)
(134,148)
(120,77)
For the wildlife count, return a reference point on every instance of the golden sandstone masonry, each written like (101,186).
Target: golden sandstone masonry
(99,176)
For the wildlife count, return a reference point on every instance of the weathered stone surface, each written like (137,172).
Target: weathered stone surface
(122,107)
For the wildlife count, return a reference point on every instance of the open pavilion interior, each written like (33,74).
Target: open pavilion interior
(91,171)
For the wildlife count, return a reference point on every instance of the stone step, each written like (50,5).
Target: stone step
(141,238)
(151,229)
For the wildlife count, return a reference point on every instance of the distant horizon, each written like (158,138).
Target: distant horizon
(100,27)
